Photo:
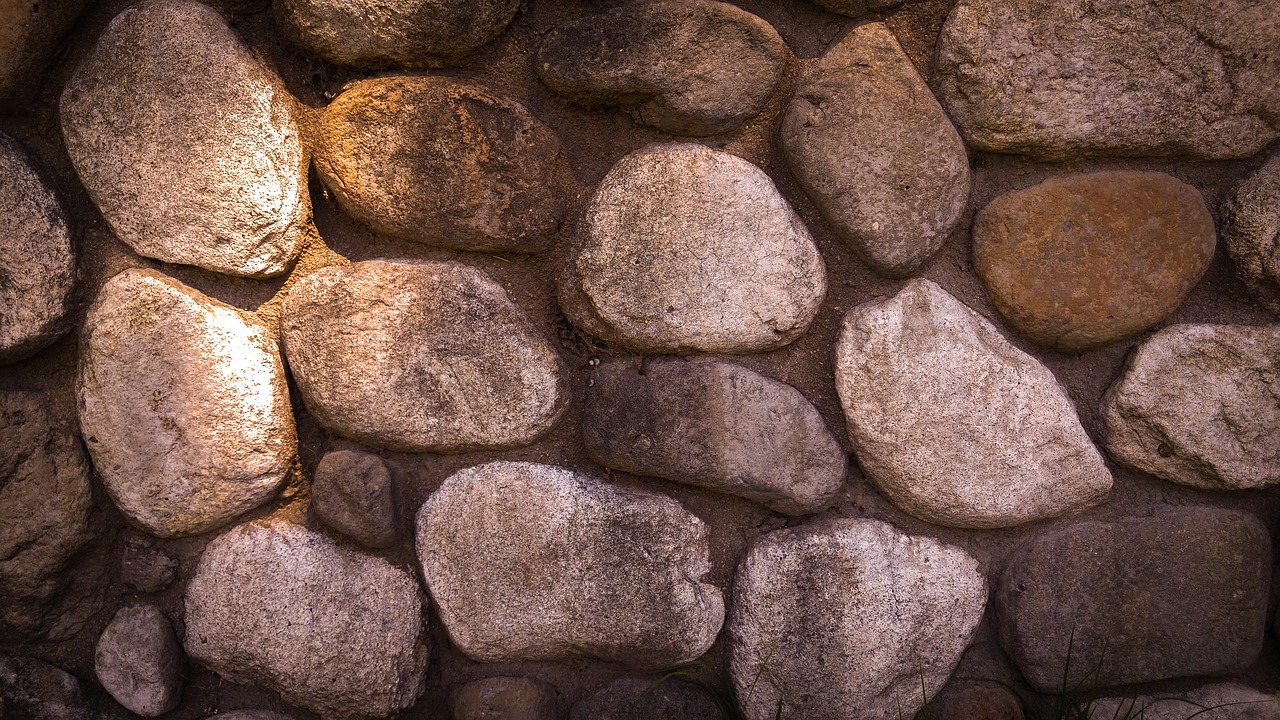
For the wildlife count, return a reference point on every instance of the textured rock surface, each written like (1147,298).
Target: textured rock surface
(29,34)
(505,698)
(870,145)
(31,688)
(1230,701)
(419,357)
(146,569)
(858,8)
(715,425)
(1181,592)
(850,615)
(183,405)
(444,163)
(351,493)
(188,145)
(687,249)
(647,699)
(686,67)
(1251,232)
(1059,80)
(1200,405)
(332,630)
(38,265)
(534,562)
(1083,260)
(138,661)
(402,33)
(971,701)
(955,425)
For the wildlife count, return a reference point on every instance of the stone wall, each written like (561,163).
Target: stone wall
(488,359)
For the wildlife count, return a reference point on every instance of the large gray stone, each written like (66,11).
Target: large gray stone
(686,67)
(505,698)
(32,689)
(1200,405)
(686,249)
(351,492)
(954,424)
(333,631)
(186,143)
(29,35)
(850,620)
(420,357)
(531,562)
(715,425)
(183,405)
(651,698)
(1061,79)
(870,145)
(1180,592)
(1251,231)
(1221,701)
(139,662)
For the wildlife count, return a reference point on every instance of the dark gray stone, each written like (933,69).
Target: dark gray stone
(32,689)
(351,493)
(650,698)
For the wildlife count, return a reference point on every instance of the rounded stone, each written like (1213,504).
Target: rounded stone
(1083,260)
(419,357)
(685,249)
(351,493)
(1251,232)
(444,163)
(1219,701)
(971,701)
(505,698)
(138,661)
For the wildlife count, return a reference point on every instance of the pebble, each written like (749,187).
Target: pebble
(351,493)
(505,698)
(139,662)
(146,569)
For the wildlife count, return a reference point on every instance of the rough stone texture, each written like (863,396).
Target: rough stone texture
(870,145)
(971,701)
(647,699)
(31,689)
(183,405)
(444,163)
(1178,593)
(45,505)
(146,569)
(505,698)
(955,425)
(1230,701)
(849,620)
(1083,260)
(403,33)
(351,493)
(29,35)
(333,631)
(687,249)
(534,562)
(715,425)
(1058,80)
(1200,405)
(859,8)
(139,662)
(37,261)
(686,67)
(186,143)
(1251,232)
(420,357)
(249,715)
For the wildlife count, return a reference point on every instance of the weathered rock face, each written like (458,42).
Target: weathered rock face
(686,249)
(534,562)
(186,143)
(38,265)
(45,502)
(351,493)
(332,630)
(146,569)
(444,163)
(1251,231)
(29,33)
(686,67)
(31,688)
(1229,701)
(647,699)
(403,33)
(1184,78)
(955,425)
(419,357)
(870,611)
(1083,260)
(869,143)
(183,405)
(505,698)
(139,662)
(1179,593)
(715,425)
(1200,405)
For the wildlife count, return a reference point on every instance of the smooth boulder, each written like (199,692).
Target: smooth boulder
(138,660)
(1251,232)
(351,492)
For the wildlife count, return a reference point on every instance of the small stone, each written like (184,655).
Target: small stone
(954,424)
(873,613)
(1178,593)
(715,425)
(333,631)
(146,569)
(686,67)
(1080,261)
(139,662)
(31,689)
(970,701)
(686,249)
(870,145)
(186,143)
(29,36)
(402,33)
(505,698)
(529,562)
(648,699)
(1060,80)
(351,493)
(420,357)
(1221,701)
(183,405)
(445,163)
(1199,405)
(1251,232)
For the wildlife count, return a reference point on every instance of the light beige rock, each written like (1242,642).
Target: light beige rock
(1251,231)
(29,35)
(139,662)
(1220,701)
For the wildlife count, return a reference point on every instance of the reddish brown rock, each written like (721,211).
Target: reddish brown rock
(1084,260)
